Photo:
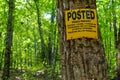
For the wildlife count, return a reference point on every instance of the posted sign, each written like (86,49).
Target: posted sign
(81,23)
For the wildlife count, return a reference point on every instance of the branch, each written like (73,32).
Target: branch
(31,5)
(44,2)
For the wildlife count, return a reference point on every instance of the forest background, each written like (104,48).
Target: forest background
(35,48)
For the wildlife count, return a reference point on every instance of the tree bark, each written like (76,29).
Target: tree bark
(8,41)
(81,59)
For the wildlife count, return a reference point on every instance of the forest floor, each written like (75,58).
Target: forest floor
(17,74)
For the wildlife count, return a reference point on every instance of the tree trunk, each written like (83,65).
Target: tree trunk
(116,38)
(114,22)
(81,59)
(40,29)
(1,60)
(8,41)
(118,56)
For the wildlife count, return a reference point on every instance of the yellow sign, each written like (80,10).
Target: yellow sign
(81,23)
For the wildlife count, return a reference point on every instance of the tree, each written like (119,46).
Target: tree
(81,59)
(116,37)
(118,56)
(40,29)
(8,41)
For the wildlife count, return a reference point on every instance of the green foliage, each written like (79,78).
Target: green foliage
(105,18)
(27,76)
(26,49)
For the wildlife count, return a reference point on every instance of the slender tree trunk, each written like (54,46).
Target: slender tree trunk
(8,41)
(81,59)
(116,38)
(40,29)
(118,55)
(1,60)
(109,59)
(114,22)
(35,49)
(53,39)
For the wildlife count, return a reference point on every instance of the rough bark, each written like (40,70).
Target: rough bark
(8,41)
(81,59)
